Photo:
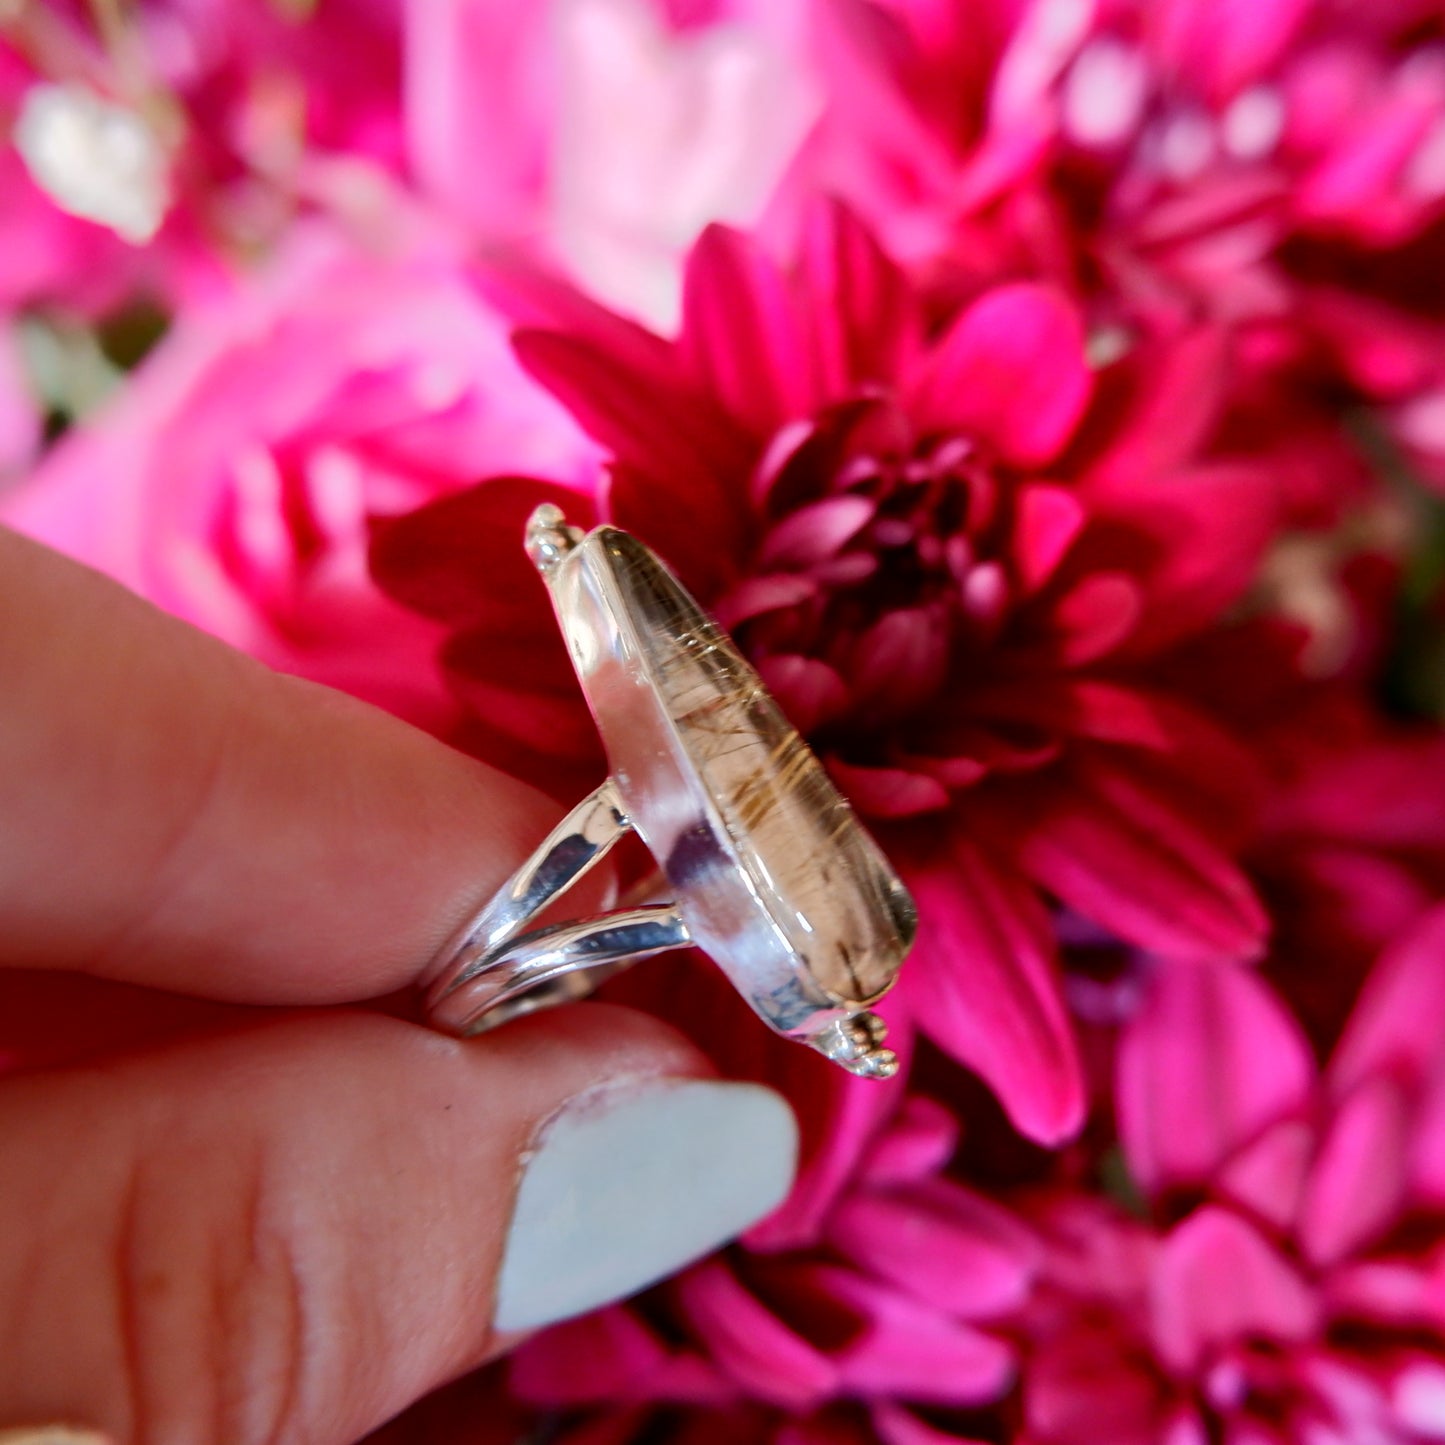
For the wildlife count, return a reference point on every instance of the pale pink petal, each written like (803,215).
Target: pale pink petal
(982,983)
(815,532)
(910,1351)
(1011,370)
(1268,1176)
(1216,1283)
(1419,1398)
(1397,1020)
(1211,1060)
(944,1245)
(1357,1184)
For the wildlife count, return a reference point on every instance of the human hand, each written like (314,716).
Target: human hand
(290,1226)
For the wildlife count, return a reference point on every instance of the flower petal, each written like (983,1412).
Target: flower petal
(1427,1148)
(750,1343)
(646,416)
(1113,848)
(1224,47)
(1216,1283)
(1011,370)
(887,792)
(1269,1175)
(898,662)
(982,983)
(1209,1062)
(810,692)
(862,303)
(815,532)
(897,1426)
(1093,618)
(460,559)
(1171,394)
(1047,521)
(1194,546)
(760,594)
(698,529)
(914,1352)
(1358,1181)
(588,1359)
(1082,707)
(944,1245)
(743,337)
(917,1144)
(1396,1022)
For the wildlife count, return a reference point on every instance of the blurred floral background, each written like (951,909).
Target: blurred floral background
(1050,397)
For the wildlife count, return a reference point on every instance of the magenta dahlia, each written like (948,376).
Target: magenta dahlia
(955,551)
(1287,1286)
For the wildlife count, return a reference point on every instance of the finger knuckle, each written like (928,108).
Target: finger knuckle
(214,1303)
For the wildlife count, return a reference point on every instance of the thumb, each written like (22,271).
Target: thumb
(293,1231)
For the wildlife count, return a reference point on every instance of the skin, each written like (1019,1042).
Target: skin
(279,1218)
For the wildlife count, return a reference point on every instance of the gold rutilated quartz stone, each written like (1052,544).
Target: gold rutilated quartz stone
(774,875)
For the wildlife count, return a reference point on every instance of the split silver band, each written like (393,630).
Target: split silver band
(493,969)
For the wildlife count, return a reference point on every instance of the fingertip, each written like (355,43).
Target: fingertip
(337,1194)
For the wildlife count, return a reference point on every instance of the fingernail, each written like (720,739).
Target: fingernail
(630,1183)
(52,1435)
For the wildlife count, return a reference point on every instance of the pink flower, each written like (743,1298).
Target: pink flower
(1298,1295)
(150,155)
(232,480)
(953,554)
(1349,851)
(1182,138)
(890,1307)
(606,133)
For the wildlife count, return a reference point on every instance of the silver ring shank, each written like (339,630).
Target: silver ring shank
(492,970)
(557,965)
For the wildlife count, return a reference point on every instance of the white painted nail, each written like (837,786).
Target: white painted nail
(629,1183)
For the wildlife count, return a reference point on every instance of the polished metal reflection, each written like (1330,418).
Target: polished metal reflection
(771,872)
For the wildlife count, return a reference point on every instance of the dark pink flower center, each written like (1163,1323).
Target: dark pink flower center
(878,556)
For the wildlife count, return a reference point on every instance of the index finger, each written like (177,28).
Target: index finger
(174,814)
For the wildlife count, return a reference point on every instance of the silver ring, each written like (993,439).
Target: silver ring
(771,873)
